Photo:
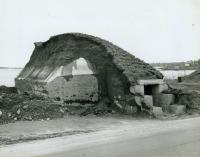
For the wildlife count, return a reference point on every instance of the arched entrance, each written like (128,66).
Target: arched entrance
(57,71)
(76,81)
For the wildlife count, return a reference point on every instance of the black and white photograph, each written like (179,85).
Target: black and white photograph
(100,78)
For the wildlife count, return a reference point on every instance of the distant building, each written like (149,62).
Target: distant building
(158,68)
(187,64)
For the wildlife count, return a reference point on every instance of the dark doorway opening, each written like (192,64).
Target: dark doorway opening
(150,89)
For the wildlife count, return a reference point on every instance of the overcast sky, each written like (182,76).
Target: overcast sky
(153,30)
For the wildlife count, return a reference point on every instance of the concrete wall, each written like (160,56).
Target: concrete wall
(116,87)
(137,89)
(162,100)
(74,88)
(157,98)
(30,86)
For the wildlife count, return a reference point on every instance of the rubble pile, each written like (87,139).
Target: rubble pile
(22,106)
(4,89)
(15,107)
(99,109)
(189,99)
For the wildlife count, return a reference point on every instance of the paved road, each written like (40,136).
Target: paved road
(179,143)
(179,138)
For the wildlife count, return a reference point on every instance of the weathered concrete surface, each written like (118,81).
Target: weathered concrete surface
(163,100)
(137,89)
(148,100)
(156,88)
(74,88)
(150,82)
(31,86)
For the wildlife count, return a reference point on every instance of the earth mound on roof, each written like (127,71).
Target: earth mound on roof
(60,49)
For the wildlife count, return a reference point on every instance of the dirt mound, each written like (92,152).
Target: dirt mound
(14,107)
(194,77)
(53,53)
(4,89)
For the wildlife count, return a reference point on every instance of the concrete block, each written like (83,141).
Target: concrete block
(150,82)
(132,89)
(138,100)
(177,109)
(162,100)
(157,112)
(162,87)
(137,89)
(148,100)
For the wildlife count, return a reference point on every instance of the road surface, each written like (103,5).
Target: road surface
(176,138)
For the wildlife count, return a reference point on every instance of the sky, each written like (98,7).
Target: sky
(152,30)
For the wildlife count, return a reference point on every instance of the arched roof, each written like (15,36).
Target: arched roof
(130,66)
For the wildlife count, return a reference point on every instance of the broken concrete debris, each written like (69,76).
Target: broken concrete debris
(157,112)
(177,109)
(190,99)
(18,111)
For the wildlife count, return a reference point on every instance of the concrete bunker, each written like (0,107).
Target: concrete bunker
(107,71)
